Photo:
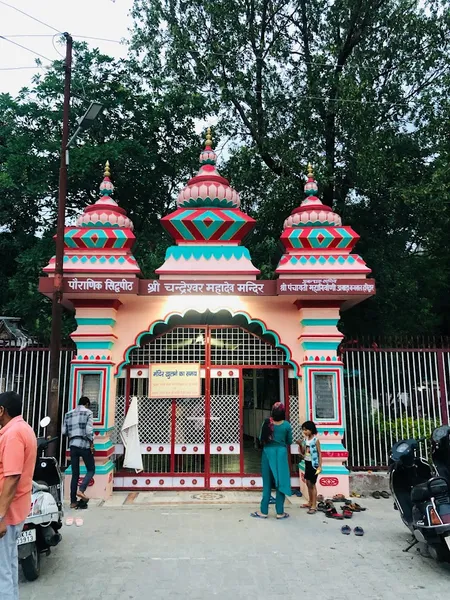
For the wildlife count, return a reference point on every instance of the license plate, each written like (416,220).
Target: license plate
(447,541)
(26,537)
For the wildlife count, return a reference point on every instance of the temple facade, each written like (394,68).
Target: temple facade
(207,347)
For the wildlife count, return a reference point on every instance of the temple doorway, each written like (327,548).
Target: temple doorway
(210,441)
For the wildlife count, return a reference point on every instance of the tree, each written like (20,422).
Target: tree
(347,85)
(147,135)
(300,80)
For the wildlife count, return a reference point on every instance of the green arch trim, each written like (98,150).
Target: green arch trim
(264,328)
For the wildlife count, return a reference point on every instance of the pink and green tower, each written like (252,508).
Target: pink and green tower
(208,228)
(318,253)
(98,247)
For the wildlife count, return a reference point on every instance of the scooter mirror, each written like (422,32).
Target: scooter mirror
(45,422)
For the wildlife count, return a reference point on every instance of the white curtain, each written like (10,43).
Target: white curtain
(130,438)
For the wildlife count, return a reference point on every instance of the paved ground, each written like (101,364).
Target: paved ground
(198,552)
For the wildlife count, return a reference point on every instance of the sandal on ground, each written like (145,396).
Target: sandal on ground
(339,498)
(385,494)
(312,511)
(297,493)
(272,500)
(355,495)
(74,505)
(320,498)
(78,522)
(348,514)
(322,506)
(257,515)
(355,507)
(283,516)
(376,495)
(69,521)
(332,513)
(359,531)
(346,530)
(305,506)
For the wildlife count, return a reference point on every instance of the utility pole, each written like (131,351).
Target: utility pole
(55,342)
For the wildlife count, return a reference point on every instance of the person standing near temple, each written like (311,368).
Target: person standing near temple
(18,451)
(275,437)
(79,428)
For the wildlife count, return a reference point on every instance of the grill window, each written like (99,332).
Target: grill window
(229,346)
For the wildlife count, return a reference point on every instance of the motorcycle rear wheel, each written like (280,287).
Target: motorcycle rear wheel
(439,552)
(31,565)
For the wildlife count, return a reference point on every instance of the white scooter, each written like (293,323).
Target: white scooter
(41,529)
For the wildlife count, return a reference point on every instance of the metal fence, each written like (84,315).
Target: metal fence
(26,371)
(392,394)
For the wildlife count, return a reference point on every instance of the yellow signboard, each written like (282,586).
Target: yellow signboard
(174,381)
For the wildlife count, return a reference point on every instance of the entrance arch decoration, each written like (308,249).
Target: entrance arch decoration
(265,331)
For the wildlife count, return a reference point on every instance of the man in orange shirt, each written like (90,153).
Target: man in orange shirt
(18,449)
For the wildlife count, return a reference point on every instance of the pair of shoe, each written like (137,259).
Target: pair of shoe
(330,511)
(82,502)
(358,531)
(377,495)
(354,507)
(258,515)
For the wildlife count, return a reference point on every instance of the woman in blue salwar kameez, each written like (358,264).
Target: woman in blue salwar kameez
(275,437)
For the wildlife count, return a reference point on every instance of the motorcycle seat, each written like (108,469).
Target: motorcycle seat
(434,487)
(40,487)
(420,492)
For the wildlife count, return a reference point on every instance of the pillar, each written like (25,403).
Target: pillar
(92,375)
(321,397)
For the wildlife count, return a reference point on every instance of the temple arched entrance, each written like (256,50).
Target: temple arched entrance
(207,441)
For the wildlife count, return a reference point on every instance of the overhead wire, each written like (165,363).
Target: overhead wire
(90,37)
(21,35)
(58,32)
(2,37)
(30,16)
(54,46)
(22,68)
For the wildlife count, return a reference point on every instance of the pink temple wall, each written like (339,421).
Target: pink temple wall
(136,314)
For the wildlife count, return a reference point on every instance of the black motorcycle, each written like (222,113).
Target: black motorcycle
(440,451)
(422,498)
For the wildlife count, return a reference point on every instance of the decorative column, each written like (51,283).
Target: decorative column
(318,257)
(99,247)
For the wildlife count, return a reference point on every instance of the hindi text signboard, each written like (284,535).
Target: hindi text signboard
(332,287)
(97,285)
(324,405)
(173,380)
(155,287)
(328,287)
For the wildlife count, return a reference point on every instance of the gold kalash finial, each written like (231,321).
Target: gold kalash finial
(310,171)
(208,141)
(107,172)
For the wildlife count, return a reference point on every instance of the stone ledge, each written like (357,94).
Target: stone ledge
(365,483)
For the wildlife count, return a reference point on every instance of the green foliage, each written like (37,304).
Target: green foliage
(147,135)
(360,89)
(405,427)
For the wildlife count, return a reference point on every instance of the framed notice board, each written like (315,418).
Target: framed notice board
(324,395)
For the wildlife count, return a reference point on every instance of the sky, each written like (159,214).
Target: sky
(107,19)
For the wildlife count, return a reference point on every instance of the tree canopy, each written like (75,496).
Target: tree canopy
(358,88)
